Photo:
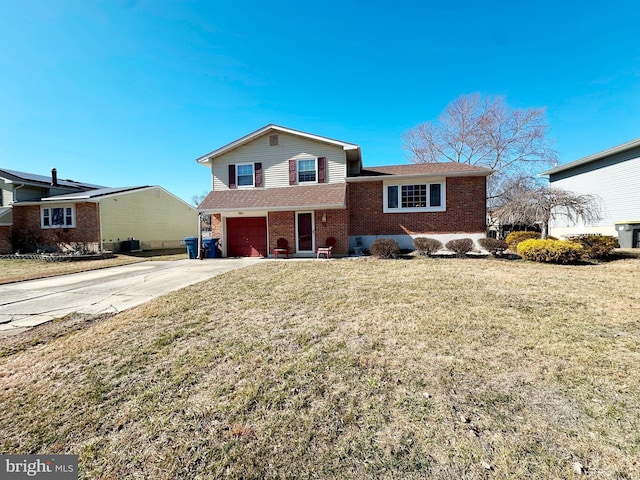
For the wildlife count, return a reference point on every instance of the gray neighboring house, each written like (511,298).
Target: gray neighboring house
(613,176)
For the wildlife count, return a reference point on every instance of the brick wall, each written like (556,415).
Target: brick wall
(281,224)
(87,229)
(5,239)
(465,210)
(336,226)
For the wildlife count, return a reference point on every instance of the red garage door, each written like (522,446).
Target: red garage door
(247,237)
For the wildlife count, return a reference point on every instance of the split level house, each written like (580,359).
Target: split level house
(46,211)
(612,176)
(279,183)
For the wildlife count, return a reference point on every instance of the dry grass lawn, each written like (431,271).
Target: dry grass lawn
(348,369)
(17,270)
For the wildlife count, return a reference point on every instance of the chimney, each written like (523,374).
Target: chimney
(54,177)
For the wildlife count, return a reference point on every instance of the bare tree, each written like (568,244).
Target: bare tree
(196,200)
(485,131)
(541,205)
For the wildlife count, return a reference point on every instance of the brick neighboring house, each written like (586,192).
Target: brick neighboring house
(98,218)
(279,182)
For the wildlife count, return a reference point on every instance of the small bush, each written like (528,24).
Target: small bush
(514,238)
(460,245)
(596,246)
(493,245)
(427,246)
(385,248)
(550,251)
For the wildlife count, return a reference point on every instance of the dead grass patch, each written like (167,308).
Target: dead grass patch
(347,369)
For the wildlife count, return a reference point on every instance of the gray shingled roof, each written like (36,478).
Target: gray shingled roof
(438,168)
(331,195)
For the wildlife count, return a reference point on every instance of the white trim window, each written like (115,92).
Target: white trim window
(59,216)
(307,170)
(244,175)
(414,197)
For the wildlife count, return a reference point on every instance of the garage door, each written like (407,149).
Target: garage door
(247,237)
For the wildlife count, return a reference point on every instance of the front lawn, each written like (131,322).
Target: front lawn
(348,369)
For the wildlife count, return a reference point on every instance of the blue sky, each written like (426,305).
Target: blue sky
(130,92)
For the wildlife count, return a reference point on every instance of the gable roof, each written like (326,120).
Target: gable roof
(619,149)
(353,150)
(329,195)
(43,180)
(438,169)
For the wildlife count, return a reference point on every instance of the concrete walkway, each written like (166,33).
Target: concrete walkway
(26,304)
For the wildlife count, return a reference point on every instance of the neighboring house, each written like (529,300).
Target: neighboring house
(613,177)
(21,186)
(282,183)
(108,218)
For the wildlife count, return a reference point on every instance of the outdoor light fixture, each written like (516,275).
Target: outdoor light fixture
(324,217)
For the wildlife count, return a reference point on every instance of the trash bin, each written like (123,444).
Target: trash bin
(192,246)
(210,246)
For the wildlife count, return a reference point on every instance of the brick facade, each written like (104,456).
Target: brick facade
(87,229)
(465,210)
(5,239)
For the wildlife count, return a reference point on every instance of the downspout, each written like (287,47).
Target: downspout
(100,225)
(200,236)
(15,196)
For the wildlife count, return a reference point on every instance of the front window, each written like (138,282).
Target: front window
(57,217)
(244,175)
(307,170)
(414,197)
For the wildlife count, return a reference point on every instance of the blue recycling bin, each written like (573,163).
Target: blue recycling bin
(192,246)
(210,246)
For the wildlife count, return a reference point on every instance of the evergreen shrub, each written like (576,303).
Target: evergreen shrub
(514,238)
(550,251)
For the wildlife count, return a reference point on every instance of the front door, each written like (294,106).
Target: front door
(304,235)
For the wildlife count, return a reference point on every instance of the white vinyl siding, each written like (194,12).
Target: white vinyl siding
(616,186)
(275,160)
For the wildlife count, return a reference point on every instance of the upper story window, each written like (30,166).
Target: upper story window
(414,197)
(244,175)
(57,217)
(307,170)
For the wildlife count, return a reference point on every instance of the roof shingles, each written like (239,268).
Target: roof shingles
(332,195)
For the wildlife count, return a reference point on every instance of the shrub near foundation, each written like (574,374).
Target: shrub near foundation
(460,245)
(550,251)
(385,248)
(427,246)
(514,238)
(493,245)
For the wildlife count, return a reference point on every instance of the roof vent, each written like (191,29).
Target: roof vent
(273,140)
(54,177)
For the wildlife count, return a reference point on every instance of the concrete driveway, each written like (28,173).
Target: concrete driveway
(26,304)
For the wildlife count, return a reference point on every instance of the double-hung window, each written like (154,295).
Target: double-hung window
(307,170)
(244,175)
(414,197)
(57,217)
